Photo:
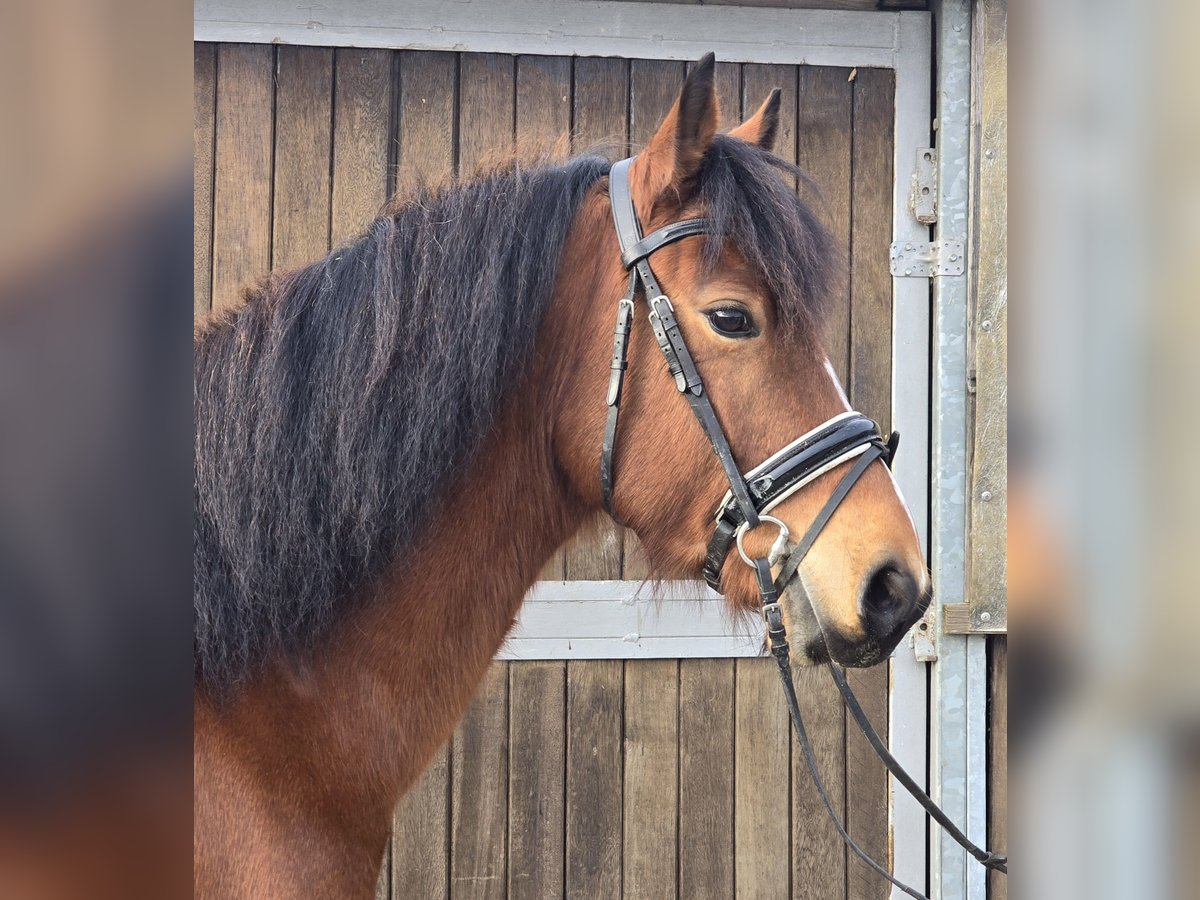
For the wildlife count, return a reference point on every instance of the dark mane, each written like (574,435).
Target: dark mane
(333,406)
(748,196)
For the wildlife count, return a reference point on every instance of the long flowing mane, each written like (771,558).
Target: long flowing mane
(334,405)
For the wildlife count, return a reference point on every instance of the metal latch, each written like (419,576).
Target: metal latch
(923,198)
(918,259)
(921,637)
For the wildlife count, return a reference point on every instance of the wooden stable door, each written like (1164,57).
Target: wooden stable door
(577,778)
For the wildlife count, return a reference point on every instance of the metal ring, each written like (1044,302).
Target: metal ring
(784,534)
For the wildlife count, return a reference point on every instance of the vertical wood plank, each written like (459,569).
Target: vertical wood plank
(362,109)
(651,778)
(706,778)
(762,728)
(242,184)
(537,736)
(595,688)
(543,118)
(762,733)
(486,115)
(825,98)
(870,392)
(654,85)
(823,150)
(425,125)
(595,693)
(601,104)
(997,837)
(425,153)
(303,144)
(204,102)
(383,887)
(537,709)
(479,832)
(420,861)
(479,852)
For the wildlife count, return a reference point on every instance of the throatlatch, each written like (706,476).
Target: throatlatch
(751,497)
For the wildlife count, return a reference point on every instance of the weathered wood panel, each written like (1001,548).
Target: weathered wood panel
(241,229)
(204,109)
(479,851)
(303,149)
(987,342)
(425,126)
(870,392)
(596,688)
(362,109)
(824,146)
(997,835)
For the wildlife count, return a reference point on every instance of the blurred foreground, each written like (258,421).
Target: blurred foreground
(95,620)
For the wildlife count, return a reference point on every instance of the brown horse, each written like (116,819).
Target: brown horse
(392,441)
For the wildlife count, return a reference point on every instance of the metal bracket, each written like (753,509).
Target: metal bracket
(922,637)
(916,259)
(923,197)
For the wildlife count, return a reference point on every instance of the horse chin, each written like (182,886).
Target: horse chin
(811,644)
(804,630)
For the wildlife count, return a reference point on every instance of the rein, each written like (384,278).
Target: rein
(750,498)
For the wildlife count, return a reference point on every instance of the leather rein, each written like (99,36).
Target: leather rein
(847,437)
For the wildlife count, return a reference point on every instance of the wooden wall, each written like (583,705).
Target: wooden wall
(589,778)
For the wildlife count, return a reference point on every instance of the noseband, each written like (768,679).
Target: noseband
(751,497)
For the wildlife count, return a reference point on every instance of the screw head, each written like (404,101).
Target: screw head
(985,617)
(986,496)
(990,154)
(986,325)
(908,271)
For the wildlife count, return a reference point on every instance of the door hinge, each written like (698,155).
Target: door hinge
(920,259)
(923,197)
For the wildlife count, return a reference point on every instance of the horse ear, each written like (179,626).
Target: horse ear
(762,127)
(673,155)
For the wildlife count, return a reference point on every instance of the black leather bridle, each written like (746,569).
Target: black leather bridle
(750,498)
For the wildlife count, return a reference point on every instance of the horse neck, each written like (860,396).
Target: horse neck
(368,711)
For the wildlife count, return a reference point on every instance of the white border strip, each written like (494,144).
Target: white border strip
(629,620)
(582,27)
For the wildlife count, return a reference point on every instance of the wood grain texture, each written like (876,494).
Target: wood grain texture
(654,85)
(204,108)
(706,699)
(870,392)
(651,749)
(479,803)
(595,688)
(823,150)
(425,120)
(997,799)
(825,98)
(762,731)
(241,230)
(600,100)
(595,706)
(537,774)
(362,109)
(487,112)
(420,858)
(536,792)
(303,147)
(987,342)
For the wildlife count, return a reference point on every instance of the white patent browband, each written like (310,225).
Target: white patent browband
(767,463)
(832,464)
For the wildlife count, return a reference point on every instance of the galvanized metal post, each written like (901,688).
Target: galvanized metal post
(958,758)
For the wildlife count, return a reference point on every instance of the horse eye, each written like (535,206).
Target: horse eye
(732,322)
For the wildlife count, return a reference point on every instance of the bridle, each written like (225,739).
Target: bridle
(849,436)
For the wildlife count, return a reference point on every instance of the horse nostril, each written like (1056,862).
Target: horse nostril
(889,601)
